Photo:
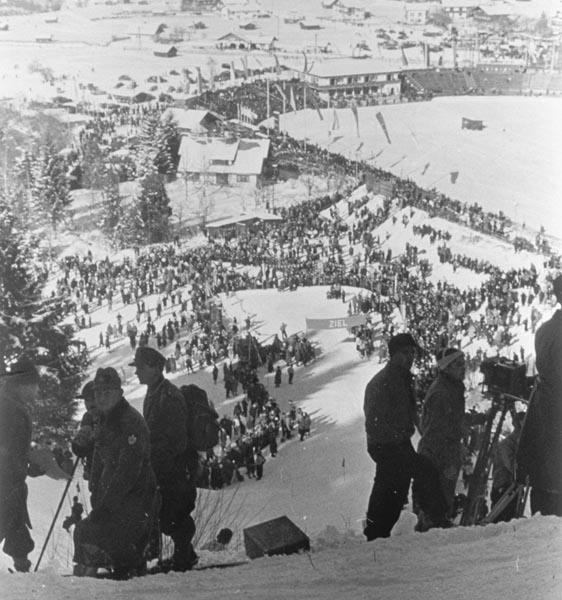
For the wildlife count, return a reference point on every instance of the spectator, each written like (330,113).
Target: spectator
(390,415)
(166,417)
(540,448)
(17,388)
(441,425)
(117,532)
(259,461)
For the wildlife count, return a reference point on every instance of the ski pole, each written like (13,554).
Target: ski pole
(66,487)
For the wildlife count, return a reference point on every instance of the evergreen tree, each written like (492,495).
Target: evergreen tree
(49,185)
(94,170)
(161,139)
(111,211)
(31,323)
(153,206)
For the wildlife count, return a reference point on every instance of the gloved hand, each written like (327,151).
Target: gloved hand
(34,470)
(100,514)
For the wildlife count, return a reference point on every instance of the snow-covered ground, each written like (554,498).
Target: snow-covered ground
(512,165)
(322,484)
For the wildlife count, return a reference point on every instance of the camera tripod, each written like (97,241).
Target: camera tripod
(502,403)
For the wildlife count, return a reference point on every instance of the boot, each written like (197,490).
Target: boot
(22,564)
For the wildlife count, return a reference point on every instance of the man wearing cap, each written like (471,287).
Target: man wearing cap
(390,417)
(441,425)
(116,533)
(540,447)
(20,386)
(165,413)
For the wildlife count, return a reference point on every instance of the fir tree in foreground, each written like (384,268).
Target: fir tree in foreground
(31,324)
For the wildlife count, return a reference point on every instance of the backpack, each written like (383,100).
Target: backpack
(202,419)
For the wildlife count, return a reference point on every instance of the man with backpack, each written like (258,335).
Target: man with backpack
(165,412)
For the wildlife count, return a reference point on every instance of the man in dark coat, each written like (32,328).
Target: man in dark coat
(390,415)
(441,423)
(165,412)
(540,447)
(116,533)
(18,387)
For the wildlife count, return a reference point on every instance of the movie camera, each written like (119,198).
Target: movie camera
(506,383)
(506,377)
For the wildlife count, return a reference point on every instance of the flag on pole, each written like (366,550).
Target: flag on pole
(454,176)
(292,99)
(244,60)
(232,73)
(359,147)
(336,121)
(283,97)
(305,67)
(315,105)
(277,65)
(425,168)
(355,116)
(382,123)
(404,59)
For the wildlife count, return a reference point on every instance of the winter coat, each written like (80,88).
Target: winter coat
(389,406)
(165,414)
(441,430)
(540,447)
(124,493)
(441,424)
(15,441)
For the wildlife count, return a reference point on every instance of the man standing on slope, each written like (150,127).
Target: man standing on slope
(390,417)
(166,417)
(18,389)
(540,447)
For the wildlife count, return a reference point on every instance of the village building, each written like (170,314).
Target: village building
(500,14)
(348,77)
(459,10)
(223,161)
(417,13)
(242,11)
(194,122)
(241,223)
(235,41)
(165,51)
(131,96)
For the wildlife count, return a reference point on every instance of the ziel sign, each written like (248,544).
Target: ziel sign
(338,323)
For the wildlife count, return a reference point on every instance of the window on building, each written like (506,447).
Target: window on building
(222,178)
(242,178)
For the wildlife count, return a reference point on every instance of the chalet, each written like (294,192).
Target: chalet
(417,13)
(223,161)
(346,77)
(245,11)
(193,121)
(131,96)
(459,10)
(240,222)
(235,41)
(493,14)
(66,117)
(169,52)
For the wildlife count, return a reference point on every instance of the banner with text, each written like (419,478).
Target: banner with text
(339,323)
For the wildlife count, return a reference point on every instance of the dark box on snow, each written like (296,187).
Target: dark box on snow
(278,536)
